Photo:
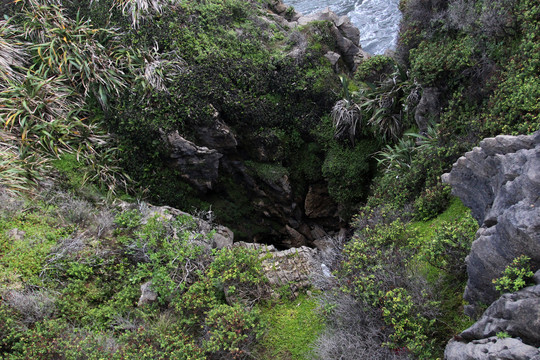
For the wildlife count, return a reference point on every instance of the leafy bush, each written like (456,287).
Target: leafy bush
(432,202)
(231,331)
(347,171)
(450,245)
(374,69)
(434,63)
(515,276)
(411,329)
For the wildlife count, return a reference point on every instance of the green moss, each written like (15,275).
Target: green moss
(22,259)
(291,328)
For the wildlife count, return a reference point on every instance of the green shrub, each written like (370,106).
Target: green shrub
(436,62)
(347,171)
(432,202)
(374,68)
(515,276)
(449,246)
(375,260)
(231,330)
(411,331)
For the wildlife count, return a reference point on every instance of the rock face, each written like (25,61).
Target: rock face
(517,315)
(198,165)
(296,267)
(491,349)
(318,203)
(428,109)
(346,35)
(500,182)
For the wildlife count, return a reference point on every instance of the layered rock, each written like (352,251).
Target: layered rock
(298,268)
(500,182)
(517,316)
(490,349)
(197,164)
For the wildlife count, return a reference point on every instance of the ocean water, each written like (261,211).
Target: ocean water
(377,20)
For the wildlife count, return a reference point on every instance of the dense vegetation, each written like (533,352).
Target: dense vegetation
(86,90)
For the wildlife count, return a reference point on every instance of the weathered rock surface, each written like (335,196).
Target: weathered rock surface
(346,35)
(500,182)
(296,267)
(147,294)
(216,135)
(517,314)
(428,109)
(198,165)
(318,203)
(491,348)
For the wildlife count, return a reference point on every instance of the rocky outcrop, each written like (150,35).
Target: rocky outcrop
(318,203)
(428,109)
(500,182)
(217,135)
(297,268)
(198,165)
(345,34)
(516,314)
(148,295)
(490,349)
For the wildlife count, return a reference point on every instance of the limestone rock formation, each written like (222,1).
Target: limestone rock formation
(490,349)
(517,314)
(198,165)
(147,294)
(297,268)
(500,182)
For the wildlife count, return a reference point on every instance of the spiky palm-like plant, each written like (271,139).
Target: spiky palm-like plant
(13,55)
(43,95)
(346,114)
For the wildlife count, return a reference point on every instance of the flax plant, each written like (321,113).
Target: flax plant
(52,66)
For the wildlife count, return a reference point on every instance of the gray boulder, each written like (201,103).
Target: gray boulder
(492,348)
(500,182)
(517,314)
(198,165)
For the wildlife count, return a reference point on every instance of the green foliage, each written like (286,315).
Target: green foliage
(65,65)
(515,276)
(374,68)
(432,202)
(231,330)
(449,246)
(502,335)
(368,256)
(268,172)
(347,171)
(411,330)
